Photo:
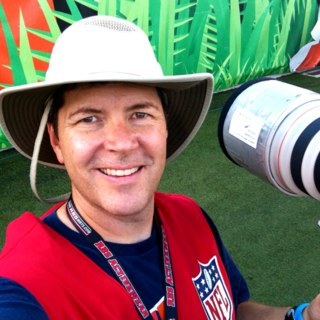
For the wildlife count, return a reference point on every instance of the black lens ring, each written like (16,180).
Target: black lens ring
(316,173)
(299,150)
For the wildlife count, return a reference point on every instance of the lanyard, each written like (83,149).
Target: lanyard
(97,241)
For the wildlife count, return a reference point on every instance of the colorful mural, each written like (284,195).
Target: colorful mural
(236,40)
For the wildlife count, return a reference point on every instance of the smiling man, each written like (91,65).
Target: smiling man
(116,248)
(112,137)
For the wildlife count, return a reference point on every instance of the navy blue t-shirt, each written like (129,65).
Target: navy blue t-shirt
(142,262)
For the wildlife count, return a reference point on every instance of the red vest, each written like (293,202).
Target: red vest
(69,285)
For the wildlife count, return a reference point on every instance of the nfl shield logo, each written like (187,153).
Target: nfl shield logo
(212,291)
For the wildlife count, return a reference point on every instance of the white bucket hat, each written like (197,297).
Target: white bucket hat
(102,48)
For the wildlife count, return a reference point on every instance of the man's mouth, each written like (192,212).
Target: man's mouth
(119,173)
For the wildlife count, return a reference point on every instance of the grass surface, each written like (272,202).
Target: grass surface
(274,238)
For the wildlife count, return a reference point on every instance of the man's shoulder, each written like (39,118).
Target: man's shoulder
(18,229)
(26,237)
(179,208)
(25,228)
(174,197)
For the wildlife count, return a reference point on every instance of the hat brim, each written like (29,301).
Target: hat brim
(21,109)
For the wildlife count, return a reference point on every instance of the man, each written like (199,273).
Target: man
(117,248)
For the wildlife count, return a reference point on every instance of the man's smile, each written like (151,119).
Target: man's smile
(119,172)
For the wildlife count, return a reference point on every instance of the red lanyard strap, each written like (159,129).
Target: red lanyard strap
(97,241)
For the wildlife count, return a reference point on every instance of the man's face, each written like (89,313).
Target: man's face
(112,141)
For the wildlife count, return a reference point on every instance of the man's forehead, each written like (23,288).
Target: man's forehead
(125,88)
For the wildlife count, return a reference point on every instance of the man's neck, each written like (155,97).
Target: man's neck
(114,229)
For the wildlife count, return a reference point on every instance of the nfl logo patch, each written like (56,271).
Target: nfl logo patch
(212,291)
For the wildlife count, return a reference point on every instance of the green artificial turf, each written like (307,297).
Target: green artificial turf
(273,237)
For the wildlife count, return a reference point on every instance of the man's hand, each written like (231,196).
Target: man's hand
(312,312)
(255,311)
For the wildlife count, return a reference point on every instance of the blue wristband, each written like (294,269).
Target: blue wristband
(299,310)
(295,313)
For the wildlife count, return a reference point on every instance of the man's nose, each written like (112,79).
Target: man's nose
(120,136)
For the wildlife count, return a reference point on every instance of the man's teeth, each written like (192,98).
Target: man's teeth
(120,173)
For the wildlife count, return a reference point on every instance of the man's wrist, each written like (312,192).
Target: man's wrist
(295,313)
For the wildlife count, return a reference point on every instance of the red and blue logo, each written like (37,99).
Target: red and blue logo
(212,291)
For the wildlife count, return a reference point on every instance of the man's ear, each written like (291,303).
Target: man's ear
(54,140)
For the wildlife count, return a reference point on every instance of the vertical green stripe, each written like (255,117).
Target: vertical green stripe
(15,63)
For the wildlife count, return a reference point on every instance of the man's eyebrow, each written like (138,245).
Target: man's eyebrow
(139,105)
(144,105)
(85,110)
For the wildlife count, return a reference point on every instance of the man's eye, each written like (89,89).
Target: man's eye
(88,119)
(139,115)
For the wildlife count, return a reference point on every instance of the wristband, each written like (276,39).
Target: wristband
(295,313)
